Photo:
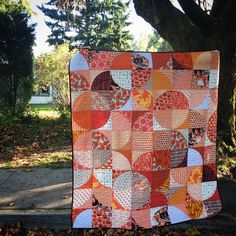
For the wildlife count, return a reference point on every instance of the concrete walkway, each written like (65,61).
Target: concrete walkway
(35,189)
(42,198)
(36,197)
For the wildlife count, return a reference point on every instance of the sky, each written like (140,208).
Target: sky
(138,27)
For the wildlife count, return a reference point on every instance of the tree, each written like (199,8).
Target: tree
(202,26)
(151,42)
(157,43)
(61,22)
(16,58)
(52,69)
(94,23)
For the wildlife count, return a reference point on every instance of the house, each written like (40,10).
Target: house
(42,95)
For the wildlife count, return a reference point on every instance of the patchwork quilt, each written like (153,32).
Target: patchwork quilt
(144,138)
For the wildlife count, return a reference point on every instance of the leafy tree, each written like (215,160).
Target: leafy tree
(16,58)
(157,43)
(52,69)
(202,25)
(152,43)
(94,23)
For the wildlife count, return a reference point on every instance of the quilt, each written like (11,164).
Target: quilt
(144,138)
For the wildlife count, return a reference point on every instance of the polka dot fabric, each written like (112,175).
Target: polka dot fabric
(144,138)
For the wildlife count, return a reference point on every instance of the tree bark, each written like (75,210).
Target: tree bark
(194,30)
(227,96)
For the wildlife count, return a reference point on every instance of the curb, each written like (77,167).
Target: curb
(61,219)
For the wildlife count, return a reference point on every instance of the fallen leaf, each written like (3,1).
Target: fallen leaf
(192,231)
(18,224)
(11,204)
(65,197)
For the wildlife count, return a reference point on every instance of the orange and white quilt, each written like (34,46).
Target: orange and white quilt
(144,138)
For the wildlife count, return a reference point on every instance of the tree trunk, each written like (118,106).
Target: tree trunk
(227,98)
(180,31)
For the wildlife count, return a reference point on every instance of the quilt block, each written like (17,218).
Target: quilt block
(144,138)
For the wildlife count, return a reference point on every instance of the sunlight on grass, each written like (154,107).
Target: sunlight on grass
(45,111)
(48,114)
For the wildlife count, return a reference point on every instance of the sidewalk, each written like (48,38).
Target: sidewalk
(37,197)
(42,198)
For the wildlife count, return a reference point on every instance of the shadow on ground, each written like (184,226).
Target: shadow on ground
(42,198)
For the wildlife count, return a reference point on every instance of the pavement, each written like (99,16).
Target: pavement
(41,197)
(43,189)
(38,197)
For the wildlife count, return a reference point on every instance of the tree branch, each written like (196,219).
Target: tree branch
(217,8)
(172,24)
(227,19)
(195,13)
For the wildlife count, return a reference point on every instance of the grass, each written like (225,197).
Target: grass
(44,107)
(42,138)
(45,110)
(62,159)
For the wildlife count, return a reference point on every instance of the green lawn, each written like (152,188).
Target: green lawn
(49,111)
(42,107)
